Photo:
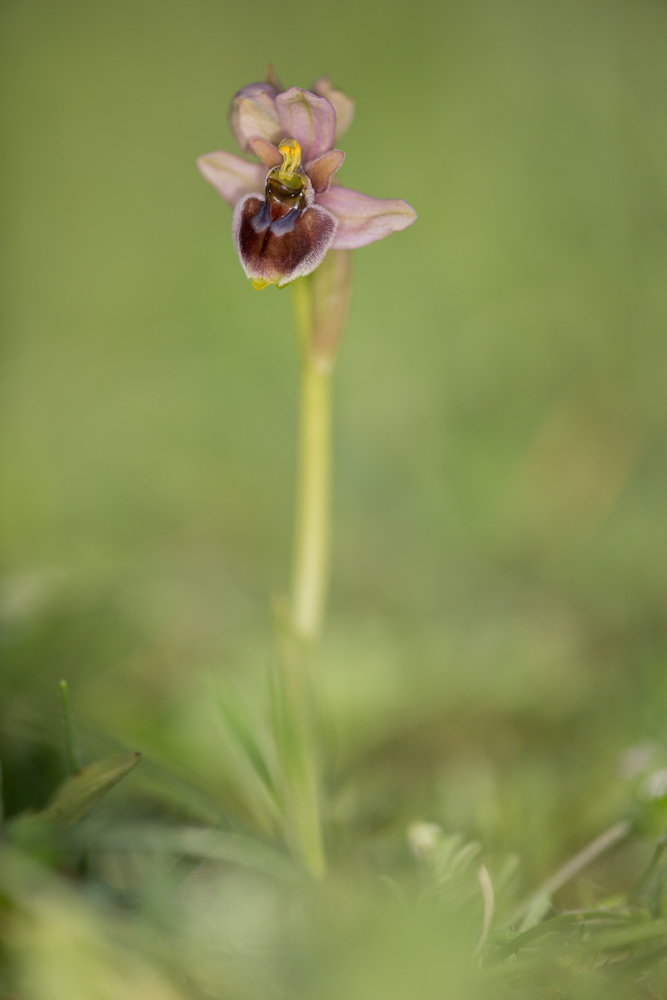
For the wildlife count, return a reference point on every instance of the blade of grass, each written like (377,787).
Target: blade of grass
(489,900)
(81,791)
(572,867)
(572,919)
(232,847)
(74,761)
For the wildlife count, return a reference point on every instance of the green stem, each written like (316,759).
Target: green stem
(321,303)
(294,718)
(312,530)
(295,699)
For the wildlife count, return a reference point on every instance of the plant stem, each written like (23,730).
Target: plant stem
(294,713)
(294,695)
(312,530)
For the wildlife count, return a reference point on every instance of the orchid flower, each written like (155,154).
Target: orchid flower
(286,220)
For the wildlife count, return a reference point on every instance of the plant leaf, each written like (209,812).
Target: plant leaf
(81,791)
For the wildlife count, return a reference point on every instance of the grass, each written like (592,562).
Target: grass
(95,903)
(491,682)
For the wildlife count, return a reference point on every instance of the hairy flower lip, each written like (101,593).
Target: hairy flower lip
(260,117)
(278,255)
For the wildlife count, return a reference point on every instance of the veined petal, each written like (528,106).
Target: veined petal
(254,113)
(343,105)
(266,152)
(323,168)
(310,119)
(363,219)
(232,176)
(277,252)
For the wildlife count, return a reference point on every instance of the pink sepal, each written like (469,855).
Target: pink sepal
(363,219)
(232,176)
(254,113)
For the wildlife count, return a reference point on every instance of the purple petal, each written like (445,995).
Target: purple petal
(323,168)
(363,219)
(311,120)
(343,105)
(232,176)
(266,152)
(280,251)
(253,113)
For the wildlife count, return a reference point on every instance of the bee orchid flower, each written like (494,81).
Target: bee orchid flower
(286,219)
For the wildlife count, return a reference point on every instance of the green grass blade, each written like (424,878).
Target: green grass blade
(81,791)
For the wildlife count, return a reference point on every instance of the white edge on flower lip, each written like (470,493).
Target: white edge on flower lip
(306,265)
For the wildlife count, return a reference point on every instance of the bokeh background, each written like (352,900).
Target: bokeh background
(496,640)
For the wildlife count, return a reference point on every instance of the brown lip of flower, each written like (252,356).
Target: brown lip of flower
(292,133)
(284,236)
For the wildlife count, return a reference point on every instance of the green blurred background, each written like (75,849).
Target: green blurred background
(497,633)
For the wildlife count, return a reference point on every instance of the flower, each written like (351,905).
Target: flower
(286,221)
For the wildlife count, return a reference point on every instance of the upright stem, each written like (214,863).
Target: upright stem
(321,302)
(294,695)
(312,528)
